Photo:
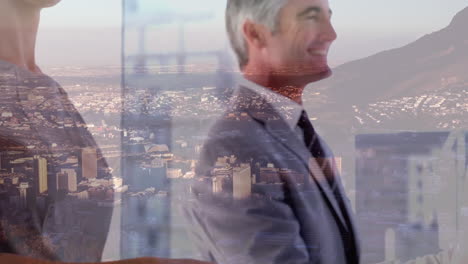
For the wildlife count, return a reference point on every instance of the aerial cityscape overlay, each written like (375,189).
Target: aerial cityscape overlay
(150,132)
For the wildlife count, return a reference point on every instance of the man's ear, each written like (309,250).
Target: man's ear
(254,34)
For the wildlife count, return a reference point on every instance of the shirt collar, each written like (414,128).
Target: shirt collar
(289,110)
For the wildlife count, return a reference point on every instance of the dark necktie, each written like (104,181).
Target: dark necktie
(310,137)
(313,144)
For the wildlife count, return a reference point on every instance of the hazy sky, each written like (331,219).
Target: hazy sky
(87,32)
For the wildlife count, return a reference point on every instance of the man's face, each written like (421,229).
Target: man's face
(304,35)
(41,3)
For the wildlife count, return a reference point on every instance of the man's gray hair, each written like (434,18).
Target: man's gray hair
(265,12)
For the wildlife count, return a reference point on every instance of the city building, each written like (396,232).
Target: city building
(72,179)
(89,163)
(40,174)
(23,190)
(242,181)
(218,184)
(173,173)
(408,190)
(66,180)
(270,174)
(62,181)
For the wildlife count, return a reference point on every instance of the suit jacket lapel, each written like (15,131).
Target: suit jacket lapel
(263,112)
(339,186)
(352,224)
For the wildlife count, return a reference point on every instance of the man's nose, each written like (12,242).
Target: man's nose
(328,33)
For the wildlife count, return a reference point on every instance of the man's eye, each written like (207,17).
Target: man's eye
(312,17)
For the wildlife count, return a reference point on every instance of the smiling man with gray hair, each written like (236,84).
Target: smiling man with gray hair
(266,188)
(262,12)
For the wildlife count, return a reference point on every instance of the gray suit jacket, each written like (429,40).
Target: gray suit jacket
(292,216)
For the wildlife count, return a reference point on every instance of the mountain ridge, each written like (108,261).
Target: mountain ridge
(418,67)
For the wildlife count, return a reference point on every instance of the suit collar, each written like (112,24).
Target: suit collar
(289,110)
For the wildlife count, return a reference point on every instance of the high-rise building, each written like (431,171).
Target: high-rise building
(221,184)
(62,181)
(270,174)
(218,184)
(222,177)
(71,179)
(399,182)
(23,190)
(40,174)
(66,180)
(89,163)
(242,181)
